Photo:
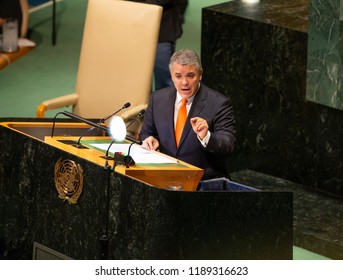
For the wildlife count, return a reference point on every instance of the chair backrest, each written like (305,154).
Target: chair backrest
(117,56)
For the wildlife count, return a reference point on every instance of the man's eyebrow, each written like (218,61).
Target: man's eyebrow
(186,73)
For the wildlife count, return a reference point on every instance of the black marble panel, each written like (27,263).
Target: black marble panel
(260,62)
(317,218)
(330,151)
(32,210)
(290,14)
(158,230)
(118,217)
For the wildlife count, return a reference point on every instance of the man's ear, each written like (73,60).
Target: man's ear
(200,74)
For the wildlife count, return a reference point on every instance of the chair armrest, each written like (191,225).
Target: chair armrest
(55,103)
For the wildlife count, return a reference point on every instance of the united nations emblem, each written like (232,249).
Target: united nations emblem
(68,180)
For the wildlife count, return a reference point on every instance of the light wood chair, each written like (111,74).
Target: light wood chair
(116,61)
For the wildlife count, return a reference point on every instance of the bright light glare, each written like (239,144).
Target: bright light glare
(251,1)
(117,129)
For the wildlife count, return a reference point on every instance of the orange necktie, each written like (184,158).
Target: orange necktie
(181,120)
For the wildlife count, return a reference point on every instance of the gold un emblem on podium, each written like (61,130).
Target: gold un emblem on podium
(68,180)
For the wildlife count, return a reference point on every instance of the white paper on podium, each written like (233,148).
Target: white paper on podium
(138,154)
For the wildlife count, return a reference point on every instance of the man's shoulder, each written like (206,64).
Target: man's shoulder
(164,91)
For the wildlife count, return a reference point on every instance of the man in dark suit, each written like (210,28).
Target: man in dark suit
(170,31)
(208,135)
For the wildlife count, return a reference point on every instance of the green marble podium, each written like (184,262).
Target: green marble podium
(120,217)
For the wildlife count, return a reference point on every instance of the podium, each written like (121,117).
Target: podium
(127,213)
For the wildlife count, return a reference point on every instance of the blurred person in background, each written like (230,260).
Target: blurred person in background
(18,9)
(170,31)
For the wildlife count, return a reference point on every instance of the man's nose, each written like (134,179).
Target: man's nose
(185,81)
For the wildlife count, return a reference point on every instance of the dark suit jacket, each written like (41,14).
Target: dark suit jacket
(172,18)
(209,104)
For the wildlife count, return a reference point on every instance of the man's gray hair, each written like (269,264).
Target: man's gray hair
(185,57)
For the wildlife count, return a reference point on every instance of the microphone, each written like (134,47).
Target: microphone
(126,105)
(139,115)
(126,160)
(73,116)
(80,146)
(120,158)
(107,157)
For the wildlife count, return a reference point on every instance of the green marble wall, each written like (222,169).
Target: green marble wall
(324,61)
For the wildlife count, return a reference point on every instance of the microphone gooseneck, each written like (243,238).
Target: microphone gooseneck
(126,105)
(139,115)
(128,159)
(107,157)
(78,145)
(73,116)
(119,158)
(53,124)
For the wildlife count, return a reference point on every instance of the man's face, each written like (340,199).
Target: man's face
(186,79)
